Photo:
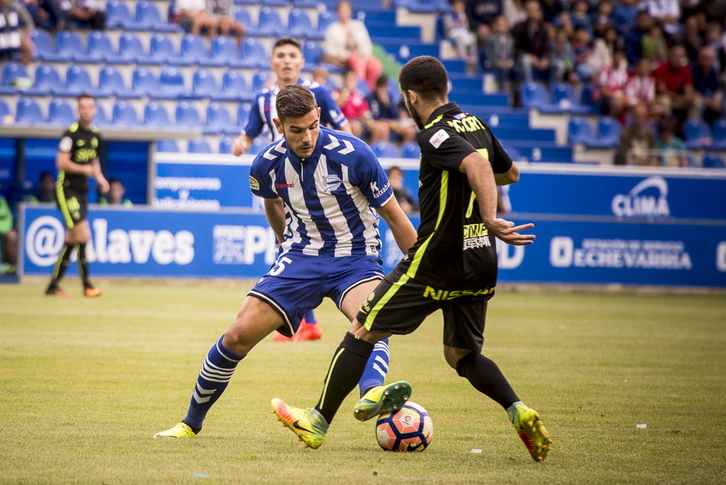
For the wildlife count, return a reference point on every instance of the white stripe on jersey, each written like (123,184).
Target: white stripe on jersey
(367,215)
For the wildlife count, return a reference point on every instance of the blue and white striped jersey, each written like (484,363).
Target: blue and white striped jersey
(264,110)
(329,197)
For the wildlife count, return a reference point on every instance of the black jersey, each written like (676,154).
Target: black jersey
(83,146)
(454,248)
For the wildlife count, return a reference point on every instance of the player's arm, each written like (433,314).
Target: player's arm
(242,144)
(346,128)
(63,163)
(511,176)
(275,212)
(481,179)
(97,174)
(401,227)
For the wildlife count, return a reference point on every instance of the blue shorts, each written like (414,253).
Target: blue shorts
(297,283)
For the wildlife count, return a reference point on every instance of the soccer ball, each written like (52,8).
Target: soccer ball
(408,429)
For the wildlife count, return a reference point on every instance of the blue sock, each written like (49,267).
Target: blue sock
(216,372)
(376,367)
(310,317)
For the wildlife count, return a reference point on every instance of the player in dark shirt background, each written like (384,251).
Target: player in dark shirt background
(77,161)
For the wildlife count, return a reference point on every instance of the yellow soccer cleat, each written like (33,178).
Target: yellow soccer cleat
(179,430)
(532,432)
(382,400)
(308,424)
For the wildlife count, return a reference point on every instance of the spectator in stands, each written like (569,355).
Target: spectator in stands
(579,16)
(707,86)
(45,191)
(609,83)
(322,77)
(625,15)
(582,48)
(514,11)
(388,115)
(222,21)
(115,194)
(602,19)
(634,38)
(499,51)
(404,196)
(456,29)
(347,43)
(555,13)
(671,149)
(653,46)
(667,13)
(674,87)
(192,16)
(715,41)
(637,141)
(353,103)
(532,44)
(47,14)
(85,13)
(481,15)
(641,87)
(8,239)
(16,27)
(692,38)
(603,48)
(562,57)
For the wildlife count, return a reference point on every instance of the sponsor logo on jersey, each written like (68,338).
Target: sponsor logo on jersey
(649,198)
(65,144)
(284,186)
(254,184)
(460,116)
(438,138)
(379,192)
(476,236)
(453,294)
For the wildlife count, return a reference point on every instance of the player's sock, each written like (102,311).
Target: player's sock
(214,376)
(345,371)
(83,265)
(64,258)
(376,368)
(310,317)
(485,376)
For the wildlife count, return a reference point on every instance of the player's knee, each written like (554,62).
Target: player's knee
(457,359)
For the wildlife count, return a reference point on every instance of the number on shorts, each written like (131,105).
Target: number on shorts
(280,266)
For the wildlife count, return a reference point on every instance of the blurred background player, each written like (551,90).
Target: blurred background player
(287,63)
(404,196)
(115,194)
(77,161)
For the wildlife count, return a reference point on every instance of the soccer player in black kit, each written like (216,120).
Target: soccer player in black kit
(452,267)
(77,160)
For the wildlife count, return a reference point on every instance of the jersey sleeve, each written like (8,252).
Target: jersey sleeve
(330,113)
(443,148)
(260,181)
(255,123)
(65,144)
(500,159)
(370,178)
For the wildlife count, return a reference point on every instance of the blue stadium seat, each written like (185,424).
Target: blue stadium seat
(130,50)
(187,115)
(410,150)
(564,97)
(242,16)
(259,79)
(579,131)
(257,145)
(162,52)
(243,114)
(125,115)
(171,82)
(4,110)
(193,48)
(269,22)
(385,149)
(148,17)
(698,134)
(155,115)
(218,120)
(512,152)
(608,133)
(60,112)
(204,85)
(100,118)
(534,95)
(225,144)
(234,85)
(46,78)
(312,53)
(300,25)
(719,133)
(69,47)
(224,53)
(253,54)
(99,46)
(44,45)
(118,16)
(711,160)
(167,146)
(111,83)
(145,83)
(198,146)
(28,112)
(325,18)
(12,73)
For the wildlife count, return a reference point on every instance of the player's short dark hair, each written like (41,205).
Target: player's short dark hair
(294,101)
(86,96)
(287,41)
(426,76)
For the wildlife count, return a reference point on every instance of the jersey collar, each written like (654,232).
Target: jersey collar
(448,108)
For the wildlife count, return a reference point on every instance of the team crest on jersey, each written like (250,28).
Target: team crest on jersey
(331,182)
(438,138)
(254,184)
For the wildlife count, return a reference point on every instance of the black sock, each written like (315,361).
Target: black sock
(83,265)
(61,265)
(485,376)
(345,371)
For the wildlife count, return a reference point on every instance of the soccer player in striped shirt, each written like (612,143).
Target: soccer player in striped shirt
(287,63)
(323,191)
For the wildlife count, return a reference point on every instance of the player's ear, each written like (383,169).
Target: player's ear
(278,125)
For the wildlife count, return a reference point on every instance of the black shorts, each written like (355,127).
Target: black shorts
(400,304)
(73,204)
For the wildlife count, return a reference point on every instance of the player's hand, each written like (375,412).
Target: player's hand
(240,146)
(103,186)
(509,233)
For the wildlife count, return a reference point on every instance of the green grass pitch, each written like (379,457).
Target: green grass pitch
(85,383)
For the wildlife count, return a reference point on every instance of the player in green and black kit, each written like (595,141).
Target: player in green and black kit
(452,267)
(77,160)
